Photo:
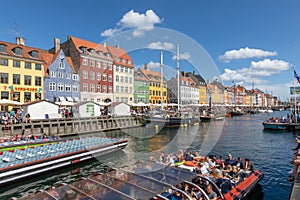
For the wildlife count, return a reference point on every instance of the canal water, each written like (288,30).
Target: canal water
(270,151)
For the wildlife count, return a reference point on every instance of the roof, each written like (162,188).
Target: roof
(34,102)
(198,79)
(148,74)
(113,104)
(25,51)
(138,78)
(89,45)
(122,54)
(85,102)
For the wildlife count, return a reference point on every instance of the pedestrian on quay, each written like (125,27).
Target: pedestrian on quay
(27,118)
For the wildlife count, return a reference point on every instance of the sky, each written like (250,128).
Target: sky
(250,42)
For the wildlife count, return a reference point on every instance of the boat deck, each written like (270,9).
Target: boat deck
(295,191)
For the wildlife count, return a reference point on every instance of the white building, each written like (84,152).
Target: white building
(41,110)
(119,109)
(86,109)
(123,75)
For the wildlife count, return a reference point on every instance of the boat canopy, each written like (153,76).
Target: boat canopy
(147,180)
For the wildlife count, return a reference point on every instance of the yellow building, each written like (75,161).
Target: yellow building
(22,72)
(157,91)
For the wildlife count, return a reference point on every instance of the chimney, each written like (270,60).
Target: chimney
(207,82)
(193,72)
(20,41)
(56,44)
(183,74)
(146,66)
(118,46)
(104,44)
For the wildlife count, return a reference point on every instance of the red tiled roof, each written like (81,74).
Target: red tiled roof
(25,51)
(89,45)
(147,74)
(121,54)
(48,58)
(69,60)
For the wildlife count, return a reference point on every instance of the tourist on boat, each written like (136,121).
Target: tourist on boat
(230,160)
(220,162)
(188,156)
(248,168)
(31,136)
(211,194)
(239,164)
(169,160)
(162,157)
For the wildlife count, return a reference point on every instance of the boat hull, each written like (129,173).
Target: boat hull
(275,126)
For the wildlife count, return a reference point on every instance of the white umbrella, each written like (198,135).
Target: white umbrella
(6,102)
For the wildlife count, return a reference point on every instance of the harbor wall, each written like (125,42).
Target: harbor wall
(68,127)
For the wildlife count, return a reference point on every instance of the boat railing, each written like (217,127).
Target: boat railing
(217,190)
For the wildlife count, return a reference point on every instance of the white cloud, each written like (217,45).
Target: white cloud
(183,56)
(243,53)
(160,45)
(109,32)
(152,64)
(256,71)
(141,21)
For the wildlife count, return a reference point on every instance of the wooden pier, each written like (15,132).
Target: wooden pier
(68,127)
(295,191)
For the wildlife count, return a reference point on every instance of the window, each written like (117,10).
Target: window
(27,65)
(122,79)
(92,88)
(84,62)
(117,59)
(27,97)
(38,81)
(98,76)
(3,48)
(4,95)
(110,89)
(68,76)
(126,69)
(75,77)
(117,88)
(130,90)
(85,87)
(16,79)
(60,75)
(129,62)
(68,88)
(104,65)
(126,89)
(98,64)
(38,67)
(122,69)
(75,88)
(117,99)
(85,74)
(92,51)
(85,99)
(61,65)
(122,89)
(104,77)
(16,96)
(4,62)
(4,78)
(130,80)
(92,76)
(83,49)
(53,73)
(27,80)
(117,79)
(34,54)
(98,88)
(60,87)
(52,86)
(104,88)
(16,63)
(117,68)
(126,79)
(18,51)
(123,60)
(99,53)
(109,78)
(109,66)
(92,63)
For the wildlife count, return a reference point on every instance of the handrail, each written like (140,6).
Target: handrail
(219,193)
(199,188)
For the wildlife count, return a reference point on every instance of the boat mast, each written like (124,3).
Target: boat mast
(178,79)
(294,96)
(161,79)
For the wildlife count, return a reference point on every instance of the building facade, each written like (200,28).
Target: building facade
(141,88)
(123,71)
(61,82)
(94,65)
(22,72)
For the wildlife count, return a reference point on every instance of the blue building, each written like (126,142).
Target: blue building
(61,82)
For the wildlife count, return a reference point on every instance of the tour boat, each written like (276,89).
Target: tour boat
(20,163)
(146,180)
(276,125)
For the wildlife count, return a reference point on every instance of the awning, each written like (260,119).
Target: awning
(62,98)
(76,99)
(65,103)
(69,99)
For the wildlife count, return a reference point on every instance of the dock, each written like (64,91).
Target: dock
(70,126)
(295,190)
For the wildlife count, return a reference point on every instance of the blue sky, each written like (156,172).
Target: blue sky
(245,41)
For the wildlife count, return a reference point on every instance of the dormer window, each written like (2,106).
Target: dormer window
(92,51)
(83,49)
(108,55)
(17,51)
(34,54)
(2,48)
(156,77)
(129,62)
(117,59)
(123,60)
(99,53)
(61,64)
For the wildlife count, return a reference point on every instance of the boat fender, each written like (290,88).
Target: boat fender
(178,163)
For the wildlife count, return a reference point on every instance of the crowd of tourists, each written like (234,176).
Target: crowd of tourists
(295,161)
(14,117)
(225,173)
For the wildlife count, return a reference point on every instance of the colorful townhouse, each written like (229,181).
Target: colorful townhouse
(157,90)
(215,92)
(141,87)
(123,75)
(94,65)
(201,84)
(22,71)
(61,81)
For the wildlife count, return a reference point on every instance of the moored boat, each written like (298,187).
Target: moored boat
(276,125)
(21,163)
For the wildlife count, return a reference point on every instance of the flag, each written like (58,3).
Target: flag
(296,76)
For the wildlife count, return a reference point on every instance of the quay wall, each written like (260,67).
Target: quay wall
(68,127)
